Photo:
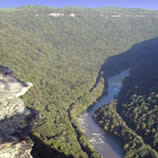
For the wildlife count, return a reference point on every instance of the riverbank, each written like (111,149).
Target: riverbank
(133,144)
(104,144)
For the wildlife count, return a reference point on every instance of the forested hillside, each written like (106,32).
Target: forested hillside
(133,116)
(61,51)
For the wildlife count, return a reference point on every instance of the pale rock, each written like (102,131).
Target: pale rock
(72,15)
(16,120)
(116,16)
(56,14)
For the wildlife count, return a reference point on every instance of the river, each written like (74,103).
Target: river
(103,143)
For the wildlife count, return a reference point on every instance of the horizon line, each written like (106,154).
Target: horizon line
(117,7)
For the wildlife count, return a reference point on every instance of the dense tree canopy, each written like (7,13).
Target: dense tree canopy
(133,116)
(62,57)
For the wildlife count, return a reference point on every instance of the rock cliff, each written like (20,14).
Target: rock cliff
(16,120)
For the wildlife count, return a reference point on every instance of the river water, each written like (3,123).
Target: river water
(103,143)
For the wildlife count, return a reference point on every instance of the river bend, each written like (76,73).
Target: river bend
(103,143)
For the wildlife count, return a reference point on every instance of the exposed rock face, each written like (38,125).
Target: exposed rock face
(16,120)
(56,14)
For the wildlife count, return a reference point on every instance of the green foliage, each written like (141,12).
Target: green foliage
(62,56)
(133,144)
(138,101)
(133,117)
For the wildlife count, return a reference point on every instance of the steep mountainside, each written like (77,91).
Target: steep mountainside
(133,116)
(61,52)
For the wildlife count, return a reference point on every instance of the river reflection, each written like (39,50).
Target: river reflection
(102,142)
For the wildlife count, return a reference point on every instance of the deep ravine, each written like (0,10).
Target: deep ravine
(103,143)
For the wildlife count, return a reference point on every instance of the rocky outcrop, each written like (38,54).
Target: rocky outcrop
(16,120)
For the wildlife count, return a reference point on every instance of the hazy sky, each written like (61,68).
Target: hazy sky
(151,4)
